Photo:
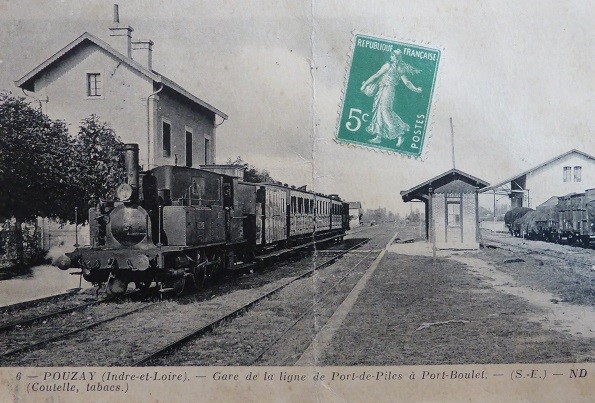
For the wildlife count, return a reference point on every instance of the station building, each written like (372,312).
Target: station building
(570,172)
(116,81)
(451,209)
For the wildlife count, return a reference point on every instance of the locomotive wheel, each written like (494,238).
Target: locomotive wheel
(199,275)
(570,239)
(199,272)
(116,286)
(143,286)
(179,286)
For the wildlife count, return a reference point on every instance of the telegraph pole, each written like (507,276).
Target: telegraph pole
(452,142)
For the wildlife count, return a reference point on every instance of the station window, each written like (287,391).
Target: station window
(567,172)
(94,85)
(207,151)
(453,218)
(188,148)
(578,173)
(166,139)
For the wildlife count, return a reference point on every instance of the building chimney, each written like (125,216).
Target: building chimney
(121,34)
(142,52)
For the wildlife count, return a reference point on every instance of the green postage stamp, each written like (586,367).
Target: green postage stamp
(388,94)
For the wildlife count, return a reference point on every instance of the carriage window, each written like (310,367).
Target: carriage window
(453,218)
(306,207)
(300,205)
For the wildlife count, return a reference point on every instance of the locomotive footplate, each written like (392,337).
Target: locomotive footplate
(97,265)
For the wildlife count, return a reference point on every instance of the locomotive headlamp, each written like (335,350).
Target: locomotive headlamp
(124,192)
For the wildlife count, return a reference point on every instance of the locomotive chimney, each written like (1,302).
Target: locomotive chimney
(131,163)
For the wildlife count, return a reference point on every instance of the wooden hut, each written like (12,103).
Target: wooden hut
(451,207)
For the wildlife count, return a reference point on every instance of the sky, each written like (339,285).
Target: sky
(516,77)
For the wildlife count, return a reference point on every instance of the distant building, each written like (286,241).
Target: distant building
(571,172)
(355,214)
(116,81)
(451,209)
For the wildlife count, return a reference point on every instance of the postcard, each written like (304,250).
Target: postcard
(296,201)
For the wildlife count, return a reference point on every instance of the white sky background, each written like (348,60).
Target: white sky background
(516,77)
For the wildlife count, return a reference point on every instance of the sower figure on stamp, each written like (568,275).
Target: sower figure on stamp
(381,85)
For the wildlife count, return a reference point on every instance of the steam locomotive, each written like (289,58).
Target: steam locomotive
(569,219)
(176,225)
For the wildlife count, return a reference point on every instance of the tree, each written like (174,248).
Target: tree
(414,216)
(44,172)
(99,163)
(36,171)
(251,173)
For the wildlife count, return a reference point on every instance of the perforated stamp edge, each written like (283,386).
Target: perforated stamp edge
(426,145)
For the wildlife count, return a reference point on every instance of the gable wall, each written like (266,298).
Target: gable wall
(123,105)
(123,101)
(548,181)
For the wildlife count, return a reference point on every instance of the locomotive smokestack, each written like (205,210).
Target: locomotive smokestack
(131,162)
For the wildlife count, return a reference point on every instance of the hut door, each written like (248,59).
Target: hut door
(454,221)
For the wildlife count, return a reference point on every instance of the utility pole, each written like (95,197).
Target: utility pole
(452,141)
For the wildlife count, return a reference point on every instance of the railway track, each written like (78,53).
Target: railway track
(309,308)
(28,304)
(45,342)
(530,249)
(195,333)
(40,344)
(38,318)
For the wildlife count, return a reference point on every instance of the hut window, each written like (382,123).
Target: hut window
(453,218)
